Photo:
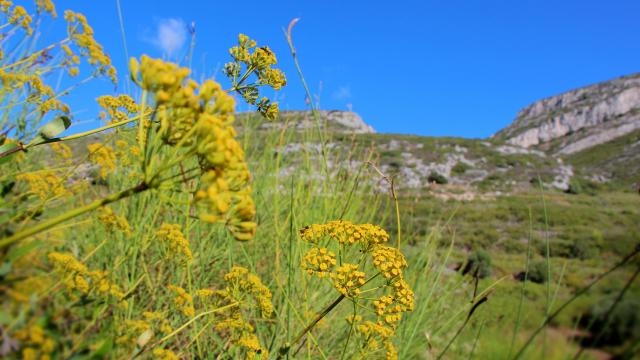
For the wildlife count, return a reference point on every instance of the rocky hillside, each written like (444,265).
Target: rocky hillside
(578,119)
(335,120)
(585,138)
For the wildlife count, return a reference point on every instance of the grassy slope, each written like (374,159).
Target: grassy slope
(438,236)
(618,159)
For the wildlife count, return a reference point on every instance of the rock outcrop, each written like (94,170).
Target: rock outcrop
(337,120)
(578,119)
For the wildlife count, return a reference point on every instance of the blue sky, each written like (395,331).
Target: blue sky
(456,68)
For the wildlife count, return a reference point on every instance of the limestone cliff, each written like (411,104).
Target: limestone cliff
(578,119)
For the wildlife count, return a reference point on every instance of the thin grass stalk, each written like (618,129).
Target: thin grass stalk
(578,293)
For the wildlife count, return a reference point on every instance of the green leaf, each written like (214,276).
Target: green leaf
(103,350)
(51,129)
(5,269)
(55,127)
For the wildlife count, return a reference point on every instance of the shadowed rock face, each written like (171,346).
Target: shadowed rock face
(579,119)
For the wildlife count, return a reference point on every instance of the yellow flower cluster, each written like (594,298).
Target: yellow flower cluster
(103,156)
(118,108)
(78,277)
(46,184)
(345,232)
(112,221)
(255,60)
(403,295)
(251,344)
(35,343)
(81,33)
(183,300)
(389,261)
(46,5)
(174,238)
(164,354)
(71,60)
(348,280)
(374,338)
(32,285)
(142,330)
(243,290)
(127,154)
(319,261)
(17,16)
(200,118)
(39,93)
(246,283)
(62,150)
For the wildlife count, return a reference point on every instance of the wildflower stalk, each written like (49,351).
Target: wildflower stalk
(314,111)
(45,225)
(391,182)
(184,326)
(284,350)
(87,133)
(353,322)
(21,147)
(577,294)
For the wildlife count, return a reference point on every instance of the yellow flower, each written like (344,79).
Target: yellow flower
(112,221)
(258,61)
(318,261)
(77,276)
(348,280)
(247,283)
(20,17)
(103,156)
(346,233)
(173,237)
(46,5)
(62,150)
(81,33)
(403,295)
(118,108)
(164,354)
(183,300)
(391,351)
(252,346)
(45,184)
(389,261)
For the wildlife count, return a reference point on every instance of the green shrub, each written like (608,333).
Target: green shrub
(622,324)
(535,182)
(460,168)
(478,264)
(538,272)
(583,249)
(575,187)
(437,178)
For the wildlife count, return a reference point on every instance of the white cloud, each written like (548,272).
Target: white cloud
(170,36)
(342,93)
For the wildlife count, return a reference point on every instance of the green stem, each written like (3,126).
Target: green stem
(314,111)
(71,214)
(86,133)
(284,350)
(579,293)
(353,322)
